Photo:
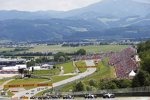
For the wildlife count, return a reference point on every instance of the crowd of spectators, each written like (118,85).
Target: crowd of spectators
(124,62)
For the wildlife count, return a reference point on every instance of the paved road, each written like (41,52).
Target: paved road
(29,93)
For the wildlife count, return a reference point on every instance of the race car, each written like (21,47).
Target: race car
(108,95)
(90,96)
(68,97)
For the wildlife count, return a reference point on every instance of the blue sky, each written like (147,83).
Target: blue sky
(35,5)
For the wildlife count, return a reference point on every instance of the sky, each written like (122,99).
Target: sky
(36,5)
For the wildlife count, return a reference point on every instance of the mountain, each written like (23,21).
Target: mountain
(109,19)
(105,8)
(14,14)
(61,29)
(113,8)
(44,29)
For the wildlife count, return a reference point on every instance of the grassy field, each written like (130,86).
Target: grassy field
(103,72)
(80,64)
(2,81)
(68,67)
(26,81)
(6,49)
(92,48)
(46,72)
(60,78)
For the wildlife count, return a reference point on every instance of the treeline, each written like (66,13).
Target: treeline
(94,85)
(143,76)
(58,57)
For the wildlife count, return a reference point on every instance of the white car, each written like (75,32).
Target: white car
(108,95)
(90,96)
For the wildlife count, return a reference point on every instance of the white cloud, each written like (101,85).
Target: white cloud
(34,5)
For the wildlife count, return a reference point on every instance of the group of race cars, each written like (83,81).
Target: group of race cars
(87,96)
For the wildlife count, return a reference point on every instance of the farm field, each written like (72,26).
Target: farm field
(6,49)
(91,48)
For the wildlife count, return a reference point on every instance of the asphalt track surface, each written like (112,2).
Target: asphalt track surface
(117,98)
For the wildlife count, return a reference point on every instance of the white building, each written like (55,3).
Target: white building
(12,64)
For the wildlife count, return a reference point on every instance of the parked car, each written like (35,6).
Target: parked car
(68,97)
(90,96)
(108,95)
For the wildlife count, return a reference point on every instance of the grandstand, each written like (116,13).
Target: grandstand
(124,62)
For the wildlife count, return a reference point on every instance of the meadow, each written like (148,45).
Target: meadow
(89,49)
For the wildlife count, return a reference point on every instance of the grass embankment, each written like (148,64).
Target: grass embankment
(81,64)
(68,67)
(26,81)
(104,71)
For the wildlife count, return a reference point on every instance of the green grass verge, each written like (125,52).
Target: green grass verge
(10,94)
(2,81)
(46,72)
(80,64)
(60,78)
(68,67)
(26,81)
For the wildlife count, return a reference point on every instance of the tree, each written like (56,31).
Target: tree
(21,71)
(31,63)
(93,82)
(62,59)
(143,76)
(124,83)
(141,79)
(79,87)
(146,63)
(90,88)
(60,56)
(81,52)
(107,85)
